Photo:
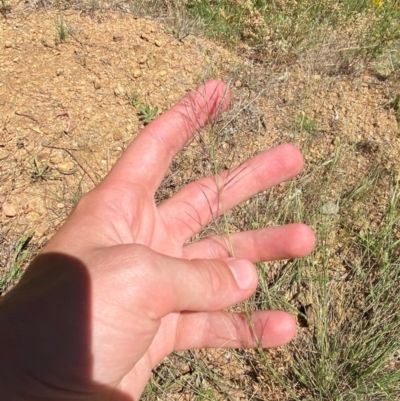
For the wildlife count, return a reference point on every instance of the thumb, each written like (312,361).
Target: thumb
(175,285)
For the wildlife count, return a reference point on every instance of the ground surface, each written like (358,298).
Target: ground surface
(69,108)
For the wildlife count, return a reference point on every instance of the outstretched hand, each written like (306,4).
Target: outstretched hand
(116,289)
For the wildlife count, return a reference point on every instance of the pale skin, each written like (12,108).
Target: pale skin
(119,288)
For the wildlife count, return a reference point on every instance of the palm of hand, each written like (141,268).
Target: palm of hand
(124,237)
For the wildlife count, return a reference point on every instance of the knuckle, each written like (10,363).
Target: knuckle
(217,249)
(215,280)
(87,204)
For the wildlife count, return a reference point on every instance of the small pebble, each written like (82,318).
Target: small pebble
(9,209)
(119,91)
(137,73)
(3,154)
(56,158)
(117,37)
(118,135)
(66,168)
(96,84)
(330,208)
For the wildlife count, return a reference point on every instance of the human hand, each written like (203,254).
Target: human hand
(117,289)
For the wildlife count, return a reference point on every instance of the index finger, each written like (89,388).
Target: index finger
(148,157)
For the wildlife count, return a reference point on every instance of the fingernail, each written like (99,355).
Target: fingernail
(243,271)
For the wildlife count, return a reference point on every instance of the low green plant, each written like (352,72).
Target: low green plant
(61,29)
(135,100)
(147,113)
(20,255)
(382,33)
(305,124)
(40,170)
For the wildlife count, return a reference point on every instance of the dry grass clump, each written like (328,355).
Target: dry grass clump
(342,295)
